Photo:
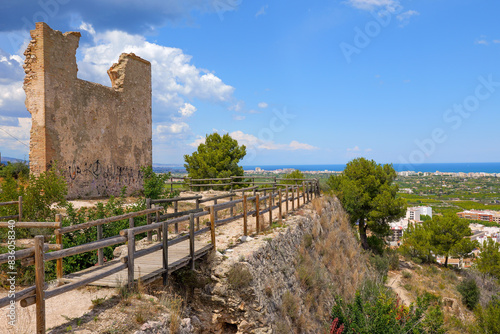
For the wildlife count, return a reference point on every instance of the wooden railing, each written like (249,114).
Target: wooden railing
(40,253)
(19,215)
(231,182)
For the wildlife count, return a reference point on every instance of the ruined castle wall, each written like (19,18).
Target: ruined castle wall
(99,136)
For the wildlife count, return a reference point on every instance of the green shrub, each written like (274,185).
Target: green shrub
(375,310)
(470,292)
(434,320)
(43,191)
(290,305)
(393,257)
(154,184)
(239,276)
(381,265)
(488,319)
(16,170)
(376,244)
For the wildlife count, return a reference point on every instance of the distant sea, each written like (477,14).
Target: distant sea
(473,167)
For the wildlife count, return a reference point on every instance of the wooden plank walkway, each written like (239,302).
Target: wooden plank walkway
(147,268)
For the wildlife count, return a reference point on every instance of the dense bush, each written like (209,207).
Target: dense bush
(488,318)
(470,292)
(16,170)
(376,310)
(154,184)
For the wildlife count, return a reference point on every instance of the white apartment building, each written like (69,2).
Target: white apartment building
(414,213)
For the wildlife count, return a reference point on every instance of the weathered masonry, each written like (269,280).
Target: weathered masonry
(99,136)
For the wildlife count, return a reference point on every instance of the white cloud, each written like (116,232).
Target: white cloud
(238,106)
(11,85)
(199,140)
(482,42)
(496,41)
(295,145)
(368,150)
(262,11)
(173,128)
(239,117)
(187,110)
(14,137)
(259,144)
(404,18)
(263,105)
(174,77)
(354,149)
(12,99)
(87,27)
(372,4)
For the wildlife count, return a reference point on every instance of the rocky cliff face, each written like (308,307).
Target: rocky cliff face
(281,282)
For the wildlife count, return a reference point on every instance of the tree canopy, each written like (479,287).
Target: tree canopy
(368,194)
(488,261)
(218,157)
(442,235)
(296,174)
(447,235)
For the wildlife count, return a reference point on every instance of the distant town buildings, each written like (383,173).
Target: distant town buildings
(459,174)
(413,216)
(259,170)
(483,215)
(482,233)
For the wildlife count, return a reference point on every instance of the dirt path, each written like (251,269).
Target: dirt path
(59,309)
(394,282)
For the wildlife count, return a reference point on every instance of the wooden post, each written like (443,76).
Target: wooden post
(59,262)
(303,193)
(171,184)
(131,222)
(20,205)
(100,251)
(280,210)
(215,212)
(271,210)
(298,197)
(293,199)
(257,214)
(165,253)
(130,262)
(286,203)
(191,239)
(158,231)
(307,191)
(198,218)
(265,203)
(231,211)
(212,227)
(40,285)
(148,219)
(176,209)
(245,228)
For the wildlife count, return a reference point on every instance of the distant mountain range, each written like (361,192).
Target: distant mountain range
(9,159)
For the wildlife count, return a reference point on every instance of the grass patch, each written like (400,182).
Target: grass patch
(239,277)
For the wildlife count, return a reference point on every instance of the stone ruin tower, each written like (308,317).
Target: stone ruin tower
(99,136)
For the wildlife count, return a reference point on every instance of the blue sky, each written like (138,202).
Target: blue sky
(296,82)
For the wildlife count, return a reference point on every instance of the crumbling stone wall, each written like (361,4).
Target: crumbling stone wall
(99,136)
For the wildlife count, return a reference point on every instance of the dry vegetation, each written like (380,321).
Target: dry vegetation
(330,262)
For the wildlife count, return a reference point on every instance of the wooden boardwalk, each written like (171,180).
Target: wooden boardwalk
(147,268)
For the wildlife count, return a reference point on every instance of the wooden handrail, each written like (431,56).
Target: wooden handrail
(102,221)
